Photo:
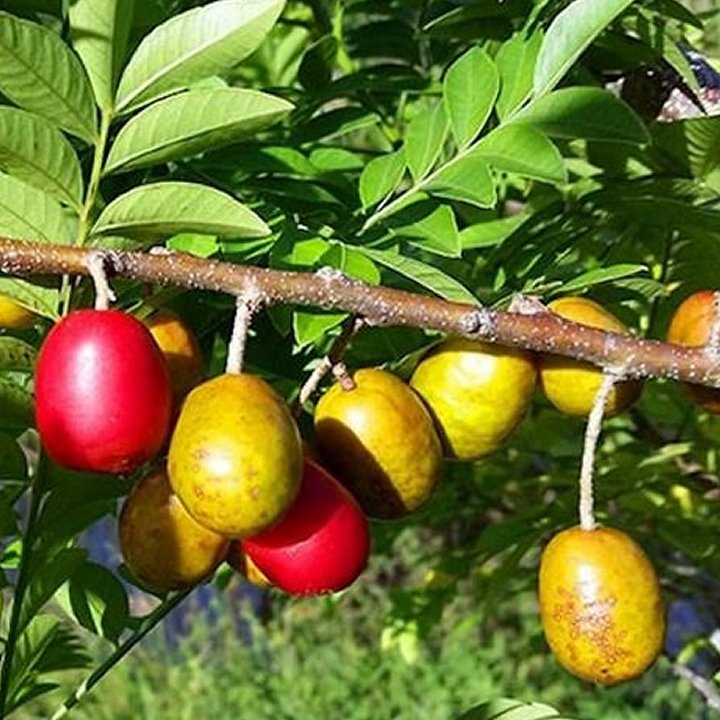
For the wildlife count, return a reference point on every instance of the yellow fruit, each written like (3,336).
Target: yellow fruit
(181,351)
(378,439)
(691,325)
(240,561)
(14,316)
(235,456)
(600,605)
(477,393)
(570,385)
(163,547)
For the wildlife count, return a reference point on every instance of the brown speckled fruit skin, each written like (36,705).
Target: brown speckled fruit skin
(379,441)
(162,546)
(571,385)
(691,326)
(477,393)
(235,456)
(600,605)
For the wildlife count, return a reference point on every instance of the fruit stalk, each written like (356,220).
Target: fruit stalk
(381,306)
(592,434)
(104,294)
(246,305)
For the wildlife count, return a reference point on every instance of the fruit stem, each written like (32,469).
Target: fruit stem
(104,294)
(351,328)
(246,305)
(148,623)
(23,580)
(592,434)
(340,371)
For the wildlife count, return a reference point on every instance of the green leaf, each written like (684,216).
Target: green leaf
(516,64)
(16,354)
(38,298)
(169,208)
(196,44)
(585,112)
(381,176)
(506,709)
(569,35)
(13,465)
(466,179)
(17,406)
(336,123)
(309,326)
(523,150)
(694,142)
(490,233)
(39,72)
(27,213)
(48,573)
(34,150)
(429,226)
(98,601)
(335,159)
(316,66)
(200,245)
(190,123)
(469,90)
(424,275)
(601,275)
(100,30)
(45,646)
(424,140)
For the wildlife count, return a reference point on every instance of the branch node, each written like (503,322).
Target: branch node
(478,322)
(331,274)
(713,344)
(527,305)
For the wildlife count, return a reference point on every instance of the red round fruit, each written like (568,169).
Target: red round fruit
(102,392)
(321,544)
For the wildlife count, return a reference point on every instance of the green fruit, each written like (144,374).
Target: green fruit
(477,393)
(235,456)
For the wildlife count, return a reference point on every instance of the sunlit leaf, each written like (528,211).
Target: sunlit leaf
(39,72)
(196,44)
(169,208)
(192,122)
(469,91)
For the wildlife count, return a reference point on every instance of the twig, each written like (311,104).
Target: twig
(382,306)
(707,688)
(592,434)
(120,652)
(351,327)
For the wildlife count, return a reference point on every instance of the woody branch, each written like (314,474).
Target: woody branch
(532,328)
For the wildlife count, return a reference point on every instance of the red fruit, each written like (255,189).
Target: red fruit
(102,392)
(321,544)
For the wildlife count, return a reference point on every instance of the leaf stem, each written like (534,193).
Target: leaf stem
(148,624)
(23,578)
(91,196)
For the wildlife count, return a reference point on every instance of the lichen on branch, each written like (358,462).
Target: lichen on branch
(531,328)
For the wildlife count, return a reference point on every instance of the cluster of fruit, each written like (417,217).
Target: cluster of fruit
(239,485)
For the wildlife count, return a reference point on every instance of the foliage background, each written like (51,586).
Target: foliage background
(393,169)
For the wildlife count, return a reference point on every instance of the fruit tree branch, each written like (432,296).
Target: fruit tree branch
(328,289)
